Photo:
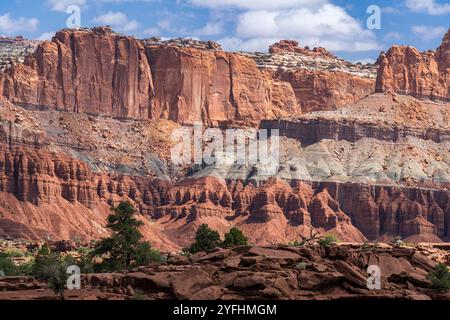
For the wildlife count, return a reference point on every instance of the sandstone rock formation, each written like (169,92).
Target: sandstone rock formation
(213,87)
(325,90)
(405,70)
(94,111)
(97,71)
(320,80)
(253,272)
(286,46)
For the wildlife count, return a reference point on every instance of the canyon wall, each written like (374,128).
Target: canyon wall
(310,131)
(405,70)
(33,180)
(97,71)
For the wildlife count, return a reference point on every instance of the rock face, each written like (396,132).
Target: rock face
(292,46)
(405,70)
(310,131)
(97,71)
(324,90)
(320,80)
(214,86)
(370,171)
(309,272)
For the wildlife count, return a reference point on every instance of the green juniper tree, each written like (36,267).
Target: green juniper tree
(234,237)
(205,239)
(124,248)
(440,277)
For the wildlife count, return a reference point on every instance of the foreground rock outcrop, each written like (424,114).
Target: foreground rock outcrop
(250,272)
(405,70)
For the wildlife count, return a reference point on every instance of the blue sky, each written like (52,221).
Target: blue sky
(338,25)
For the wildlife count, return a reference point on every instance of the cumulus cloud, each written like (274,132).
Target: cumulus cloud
(329,26)
(429,6)
(365,61)
(46,35)
(118,20)
(392,36)
(258,4)
(152,31)
(10,25)
(428,33)
(210,29)
(62,5)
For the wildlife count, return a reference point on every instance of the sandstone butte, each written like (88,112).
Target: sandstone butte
(48,193)
(405,70)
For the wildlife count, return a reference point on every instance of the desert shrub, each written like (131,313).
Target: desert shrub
(440,277)
(205,239)
(124,248)
(233,238)
(15,253)
(51,267)
(328,240)
(7,266)
(138,295)
(301,266)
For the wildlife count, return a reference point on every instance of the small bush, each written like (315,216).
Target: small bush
(366,246)
(301,266)
(234,237)
(51,267)
(138,295)
(14,253)
(145,254)
(205,239)
(440,277)
(7,265)
(328,240)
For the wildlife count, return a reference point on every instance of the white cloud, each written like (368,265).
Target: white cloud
(46,36)
(9,25)
(152,31)
(329,26)
(392,36)
(428,33)
(392,10)
(258,4)
(365,61)
(210,29)
(430,6)
(62,5)
(118,20)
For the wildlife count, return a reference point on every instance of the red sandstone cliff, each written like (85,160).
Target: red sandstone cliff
(320,80)
(100,72)
(213,86)
(405,70)
(318,90)
(96,72)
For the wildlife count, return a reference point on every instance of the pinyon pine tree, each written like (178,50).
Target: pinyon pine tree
(124,249)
